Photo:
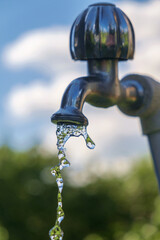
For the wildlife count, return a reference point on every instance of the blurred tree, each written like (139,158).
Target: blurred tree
(114,208)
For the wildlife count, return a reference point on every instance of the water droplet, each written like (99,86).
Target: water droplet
(56,171)
(61,154)
(64,163)
(64,132)
(56,232)
(60,184)
(60,214)
(90,144)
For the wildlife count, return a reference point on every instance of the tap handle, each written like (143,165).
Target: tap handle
(102,31)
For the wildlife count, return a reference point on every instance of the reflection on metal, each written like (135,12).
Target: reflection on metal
(103,35)
(102,31)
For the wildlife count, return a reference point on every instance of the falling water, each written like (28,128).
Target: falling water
(64,132)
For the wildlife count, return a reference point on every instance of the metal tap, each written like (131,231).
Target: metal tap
(102,35)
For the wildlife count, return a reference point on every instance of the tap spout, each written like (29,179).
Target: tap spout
(101,88)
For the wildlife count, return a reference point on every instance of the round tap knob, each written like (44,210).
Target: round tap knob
(102,31)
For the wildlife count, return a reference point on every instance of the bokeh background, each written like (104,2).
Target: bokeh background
(35,69)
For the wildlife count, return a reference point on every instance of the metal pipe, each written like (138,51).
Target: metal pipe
(101,88)
(154,142)
(149,113)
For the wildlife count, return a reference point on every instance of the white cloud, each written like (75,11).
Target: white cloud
(38,97)
(44,49)
(146,22)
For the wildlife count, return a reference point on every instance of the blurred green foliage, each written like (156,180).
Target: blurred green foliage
(114,208)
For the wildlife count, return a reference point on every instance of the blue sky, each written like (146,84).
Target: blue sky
(36,67)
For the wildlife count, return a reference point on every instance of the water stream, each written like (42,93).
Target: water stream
(64,132)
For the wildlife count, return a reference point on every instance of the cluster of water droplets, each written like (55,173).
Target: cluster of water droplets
(64,132)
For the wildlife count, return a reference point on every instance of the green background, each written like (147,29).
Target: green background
(111,208)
